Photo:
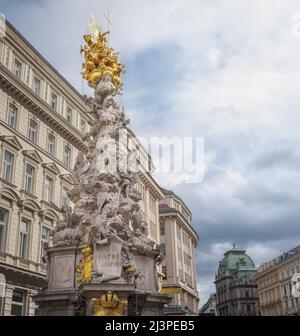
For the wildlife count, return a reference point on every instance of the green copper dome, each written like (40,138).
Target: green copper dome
(234,260)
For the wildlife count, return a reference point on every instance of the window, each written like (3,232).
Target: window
(179,253)
(163,249)
(82,126)
(67,156)
(246,294)
(44,239)
(48,189)
(164,270)
(69,115)
(187,259)
(53,102)
(51,143)
(24,237)
(28,75)
(8,166)
(178,232)
(12,116)
(17,303)
(32,131)
(3,220)
(162,228)
(17,69)
(7,56)
(186,239)
(46,92)
(2,289)
(29,176)
(36,86)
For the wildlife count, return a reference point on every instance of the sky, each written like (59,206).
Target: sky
(227,71)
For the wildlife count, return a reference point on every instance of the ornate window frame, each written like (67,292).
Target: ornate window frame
(7,225)
(32,158)
(51,170)
(36,120)
(53,92)
(51,132)
(12,145)
(35,75)
(67,144)
(11,101)
(30,236)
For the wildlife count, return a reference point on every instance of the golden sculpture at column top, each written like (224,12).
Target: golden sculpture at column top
(99,59)
(85,266)
(109,304)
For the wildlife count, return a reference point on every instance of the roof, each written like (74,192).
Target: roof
(14,29)
(235,259)
(208,303)
(284,257)
(163,206)
(175,308)
(171,193)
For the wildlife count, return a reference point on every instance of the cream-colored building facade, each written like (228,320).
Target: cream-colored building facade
(275,285)
(267,279)
(42,120)
(179,241)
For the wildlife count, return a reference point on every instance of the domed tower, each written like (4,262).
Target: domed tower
(236,289)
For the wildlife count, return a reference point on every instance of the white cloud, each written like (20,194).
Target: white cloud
(236,83)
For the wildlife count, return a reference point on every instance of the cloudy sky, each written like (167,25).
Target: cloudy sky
(228,71)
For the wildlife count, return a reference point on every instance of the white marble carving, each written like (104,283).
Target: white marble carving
(106,209)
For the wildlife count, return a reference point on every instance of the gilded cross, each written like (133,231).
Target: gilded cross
(107,17)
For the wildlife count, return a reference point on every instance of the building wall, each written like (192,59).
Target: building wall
(290,303)
(17,89)
(270,297)
(236,294)
(179,241)
(19,204)
(274,279)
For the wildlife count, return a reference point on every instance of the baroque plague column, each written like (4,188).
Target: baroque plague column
(102,261)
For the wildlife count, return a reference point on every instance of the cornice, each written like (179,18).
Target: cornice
(51,166)
(151,184)
(37,147)
(40,108)
(50,73)
(67,177)
(21,269)
(175,213)
(12,141)
(33,154)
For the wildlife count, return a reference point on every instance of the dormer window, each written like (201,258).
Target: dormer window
(17,69)
(36,86)
(53,102)
(69,115)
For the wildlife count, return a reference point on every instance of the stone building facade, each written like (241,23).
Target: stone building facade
(236,289)
(42,121)
(179,241)
(275,284)
(209,308)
